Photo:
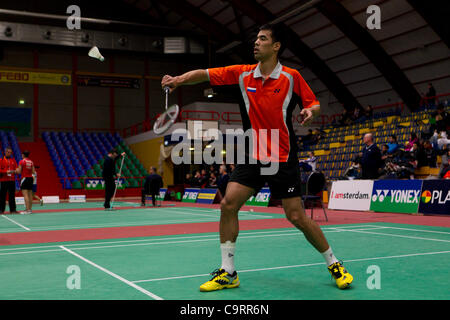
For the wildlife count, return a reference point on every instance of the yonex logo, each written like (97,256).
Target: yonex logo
(397,196)
(291,189)
(276,91)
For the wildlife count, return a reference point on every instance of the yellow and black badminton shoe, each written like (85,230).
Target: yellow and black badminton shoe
(342,277)
(221,280)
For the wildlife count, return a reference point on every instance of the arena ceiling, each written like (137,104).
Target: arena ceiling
(328,40)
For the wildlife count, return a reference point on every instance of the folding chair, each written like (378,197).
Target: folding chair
(314,185)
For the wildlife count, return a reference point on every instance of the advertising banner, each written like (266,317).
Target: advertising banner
(396,196)
(77,198)
(17,76)
(110,82)
(261,199)
(207,196)
(351,195)
(190,195)
(162,195)
(99,184)
(435,197)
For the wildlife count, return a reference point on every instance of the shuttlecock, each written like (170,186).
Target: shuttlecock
(95,53)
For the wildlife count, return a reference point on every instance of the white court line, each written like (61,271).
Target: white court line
(131,284)
(15,222)
(392,235)
(298,266)
(418,230)
(294,232)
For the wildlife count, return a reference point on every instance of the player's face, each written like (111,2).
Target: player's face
(264,47)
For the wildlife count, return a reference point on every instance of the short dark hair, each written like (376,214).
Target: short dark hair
(114,151)
(394,137)
(277,35)
(26,153)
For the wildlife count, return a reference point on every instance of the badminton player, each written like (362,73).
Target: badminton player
(26,170)
(270,93)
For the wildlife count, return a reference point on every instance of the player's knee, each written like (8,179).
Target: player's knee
(227,206)
(298,220)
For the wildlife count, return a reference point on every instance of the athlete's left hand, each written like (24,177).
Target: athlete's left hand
(309,114)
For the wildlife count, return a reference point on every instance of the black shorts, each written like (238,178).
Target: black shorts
(26,184)
(285,183)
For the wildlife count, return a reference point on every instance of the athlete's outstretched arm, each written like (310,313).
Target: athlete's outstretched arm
(188,78)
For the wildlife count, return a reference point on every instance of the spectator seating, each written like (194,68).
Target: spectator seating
(81,155)
(342,144)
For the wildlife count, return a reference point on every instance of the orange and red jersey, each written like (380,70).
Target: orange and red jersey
(27,168)
(7,164)
(268,105)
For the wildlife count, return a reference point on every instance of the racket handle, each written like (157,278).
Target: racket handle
(167,90)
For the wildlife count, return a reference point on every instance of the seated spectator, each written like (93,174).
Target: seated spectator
(196,181)
(212,169)
(204,178)
(188,180)
(223,179)
(353,171)
(384,152)
(212,183)
(430,154)
(308,164)
(345,118)
(369,112)
(418,157)
(442,119)
(438,140)
(357,114)
(412,139)
(401,166)
(393,146)
(430,95)
(445,165)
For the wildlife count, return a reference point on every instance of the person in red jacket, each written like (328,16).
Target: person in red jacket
(26,170)
(8,166)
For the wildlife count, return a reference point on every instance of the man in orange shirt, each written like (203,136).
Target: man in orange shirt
(8,166)
(270,92)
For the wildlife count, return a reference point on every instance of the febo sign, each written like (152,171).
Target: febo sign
(190,195)
(351,195)
(396,196)
(260,199)
(435,197)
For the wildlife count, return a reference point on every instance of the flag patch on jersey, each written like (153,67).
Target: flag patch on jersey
(249,89)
